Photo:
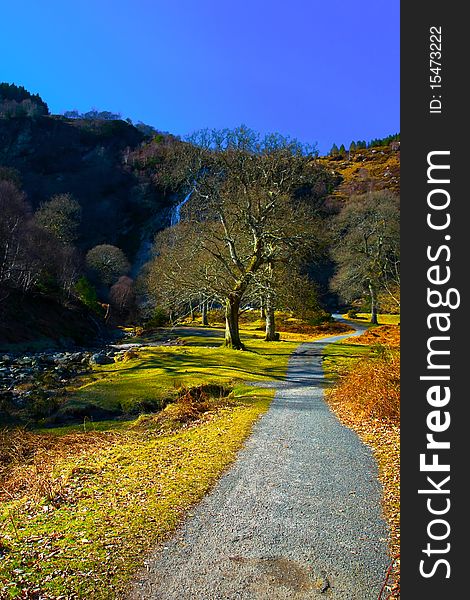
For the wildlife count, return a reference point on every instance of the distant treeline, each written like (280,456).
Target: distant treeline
(362,144)
(106,115)
(16,101)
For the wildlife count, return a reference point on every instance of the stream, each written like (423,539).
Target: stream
(29,378)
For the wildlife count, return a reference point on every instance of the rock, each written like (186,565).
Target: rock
(26,360)
(101,359)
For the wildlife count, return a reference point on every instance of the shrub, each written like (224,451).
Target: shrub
(372,388)
(216,315)
(319,317)
(191,405)
(86,293)
(159,318)
(42,405)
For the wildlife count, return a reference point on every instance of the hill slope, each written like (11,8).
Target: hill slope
(365,170)
(87,159)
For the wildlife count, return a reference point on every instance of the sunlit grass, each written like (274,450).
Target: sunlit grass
(383,319)
(92,511)
(116,503)
(158,373)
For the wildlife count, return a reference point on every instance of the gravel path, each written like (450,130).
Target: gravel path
(297,516)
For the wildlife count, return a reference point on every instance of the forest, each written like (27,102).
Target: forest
(122,227)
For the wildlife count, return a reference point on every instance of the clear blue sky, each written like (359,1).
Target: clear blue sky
(323,71)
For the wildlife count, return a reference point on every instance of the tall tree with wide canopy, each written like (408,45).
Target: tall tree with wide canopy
(253,203)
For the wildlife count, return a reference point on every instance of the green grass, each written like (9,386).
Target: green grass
(383,319)
(87,426)
(340,356)
(103,507)
(158,372)
(125,498)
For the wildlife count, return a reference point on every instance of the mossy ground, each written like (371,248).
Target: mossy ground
(96,513)
(116,503)
(158,372)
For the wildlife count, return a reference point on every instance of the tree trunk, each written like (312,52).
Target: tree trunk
(373,305)
(271,335)
(191,311)
(205,322)
(232,331)
(262,312)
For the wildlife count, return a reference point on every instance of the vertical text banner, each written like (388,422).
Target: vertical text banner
(435,198)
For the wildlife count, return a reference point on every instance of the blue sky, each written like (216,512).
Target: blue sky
(320,71)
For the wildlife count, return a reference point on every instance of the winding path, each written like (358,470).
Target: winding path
(297,515)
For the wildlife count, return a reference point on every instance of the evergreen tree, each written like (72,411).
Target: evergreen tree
(11,93)
(334,150)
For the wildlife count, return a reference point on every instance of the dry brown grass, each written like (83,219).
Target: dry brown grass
(371,390)
(387,335)
(304,328)
(27,461)
(193,405)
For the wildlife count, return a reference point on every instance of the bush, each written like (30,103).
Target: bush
(159,318)
(247,316)
(192,404)
(352,313)
(372,388)
(319,317)
(145,405)
(216,315)
(86,293)
(41,405)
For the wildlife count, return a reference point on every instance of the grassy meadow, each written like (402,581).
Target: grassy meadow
(81,505)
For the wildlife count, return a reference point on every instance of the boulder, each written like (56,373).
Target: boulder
(101,359)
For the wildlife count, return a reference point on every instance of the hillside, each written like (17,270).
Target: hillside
(88,159)
(365,170)
(121,183)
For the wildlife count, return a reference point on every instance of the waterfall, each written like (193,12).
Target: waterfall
(143,254)
(175,215)
(144,251)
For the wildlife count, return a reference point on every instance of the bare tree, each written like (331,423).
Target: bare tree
(253,203)
(122,298)
(14,214)
(367,249)
(30,254)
